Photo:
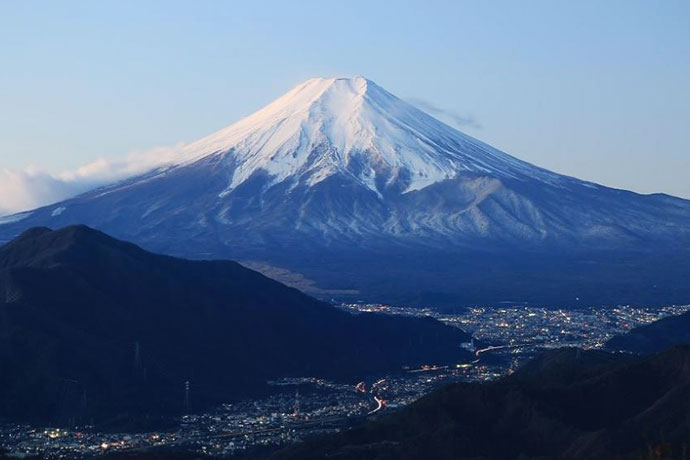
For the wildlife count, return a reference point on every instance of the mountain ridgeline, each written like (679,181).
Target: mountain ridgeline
(343,185)
(654,337)
(91,326)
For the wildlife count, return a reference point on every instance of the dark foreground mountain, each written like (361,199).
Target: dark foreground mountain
(568,404)
(344,188)
(90,326)
(654,337)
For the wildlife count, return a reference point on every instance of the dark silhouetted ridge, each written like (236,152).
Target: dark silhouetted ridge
(608,407)
(93,326)
(659,335)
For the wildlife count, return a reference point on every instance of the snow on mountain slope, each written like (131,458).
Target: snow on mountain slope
(341,161)
(359,129)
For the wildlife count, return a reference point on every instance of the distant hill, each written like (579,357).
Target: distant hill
(91,327)
(659,335)
(352,191)
(569,404)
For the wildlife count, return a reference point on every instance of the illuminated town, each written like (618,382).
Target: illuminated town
(503,337)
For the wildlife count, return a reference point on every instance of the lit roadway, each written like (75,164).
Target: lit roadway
(380,403)
(522,345)
(502,347)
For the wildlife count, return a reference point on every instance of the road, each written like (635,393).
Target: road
(380,405)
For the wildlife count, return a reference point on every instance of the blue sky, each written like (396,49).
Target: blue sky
(599,90)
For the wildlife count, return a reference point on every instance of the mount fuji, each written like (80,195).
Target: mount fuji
(343,189)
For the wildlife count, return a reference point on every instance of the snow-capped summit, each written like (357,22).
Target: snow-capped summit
(339,169)
(352,126)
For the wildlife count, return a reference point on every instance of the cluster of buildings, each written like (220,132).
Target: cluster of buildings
(299,407)
(302,407)
(588,327)
(23,441)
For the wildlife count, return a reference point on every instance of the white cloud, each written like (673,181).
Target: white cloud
(30,188)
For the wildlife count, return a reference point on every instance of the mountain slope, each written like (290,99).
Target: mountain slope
(341,169)
(654,337)
(91,326)
(599,407)
(359,130)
